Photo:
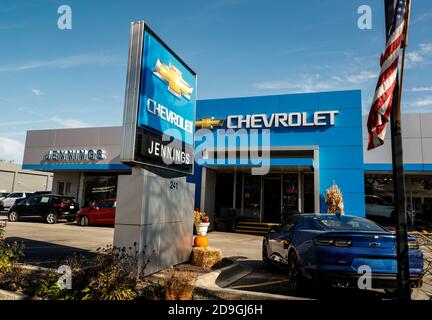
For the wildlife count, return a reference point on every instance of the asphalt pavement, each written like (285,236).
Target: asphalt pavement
(46,245)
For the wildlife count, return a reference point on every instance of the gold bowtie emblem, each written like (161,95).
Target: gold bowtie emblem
(208,123)
(173,77)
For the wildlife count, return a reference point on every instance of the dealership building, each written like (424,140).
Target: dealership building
(258,157)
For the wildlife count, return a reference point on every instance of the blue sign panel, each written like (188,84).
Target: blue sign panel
(158,122)
(168,89)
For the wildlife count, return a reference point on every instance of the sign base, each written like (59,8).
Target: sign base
(154,219)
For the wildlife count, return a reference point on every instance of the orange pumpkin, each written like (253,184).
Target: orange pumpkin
(201,241)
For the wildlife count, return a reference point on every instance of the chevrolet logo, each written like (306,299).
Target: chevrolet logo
(374,244)
(173,77)
(208,123)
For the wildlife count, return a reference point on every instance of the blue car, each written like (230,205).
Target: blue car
(334,250)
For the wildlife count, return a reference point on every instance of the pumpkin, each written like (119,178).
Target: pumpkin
(201,241)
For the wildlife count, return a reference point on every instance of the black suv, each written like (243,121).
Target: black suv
(48,207)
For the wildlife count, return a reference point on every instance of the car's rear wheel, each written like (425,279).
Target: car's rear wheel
(294,276)
(51,218)
(13,216)
(84,221)
(265,258)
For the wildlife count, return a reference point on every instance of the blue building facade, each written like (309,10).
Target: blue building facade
(313,140)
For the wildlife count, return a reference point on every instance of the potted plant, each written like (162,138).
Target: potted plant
(202,222)
(334,200)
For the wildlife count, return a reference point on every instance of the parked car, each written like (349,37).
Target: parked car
(8,202)
(49,208)
(330,249)
(103,212)
(41,192)
(377,207)
(3,195)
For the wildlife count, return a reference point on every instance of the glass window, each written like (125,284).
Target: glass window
(67,200)
(44,199)
(106,204)
(252,196)
(292,221)
(309,193)
(99,187)
(33,201)
(64,188)
(379,191)
(290,193)
(346,223)
(16,195)
(224,193)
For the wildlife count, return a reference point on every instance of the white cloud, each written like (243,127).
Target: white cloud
(309,83)
(425,48)
(422,17)
(360,77)
(314,82)
(425,102)
(36,92)
(69,62)
(11,149)
(69,123)
(421,89)
(21,122)
(414,57)
(419,55)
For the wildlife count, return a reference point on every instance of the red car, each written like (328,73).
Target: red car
(103,212)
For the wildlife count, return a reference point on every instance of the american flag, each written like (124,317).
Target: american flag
(379,114)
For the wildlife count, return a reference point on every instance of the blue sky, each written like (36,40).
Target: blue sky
(51,78)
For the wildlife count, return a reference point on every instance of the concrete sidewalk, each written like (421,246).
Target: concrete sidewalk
(236,245)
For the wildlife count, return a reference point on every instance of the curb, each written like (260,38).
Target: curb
(214,284)
(33,267)
(9,295)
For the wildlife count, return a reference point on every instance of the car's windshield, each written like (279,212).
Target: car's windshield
(335,222)
(15,195)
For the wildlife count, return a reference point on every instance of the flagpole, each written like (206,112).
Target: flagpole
(403,45)
(403,275)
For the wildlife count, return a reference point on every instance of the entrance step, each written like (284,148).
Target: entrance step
(253,227)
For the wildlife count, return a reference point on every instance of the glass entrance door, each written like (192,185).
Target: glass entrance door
(290,194)
(272,198)
(252,197)
(269,198)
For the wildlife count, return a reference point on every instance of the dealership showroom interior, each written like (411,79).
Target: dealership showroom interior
(221,152)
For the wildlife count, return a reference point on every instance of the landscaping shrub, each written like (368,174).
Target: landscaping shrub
(176,286)
(15,280)
(11,277)
(113,284)
(10,253)
(47,287)
(111,275)
(2,226)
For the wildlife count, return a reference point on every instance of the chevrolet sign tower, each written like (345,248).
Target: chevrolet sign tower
(159,115)
(155,204)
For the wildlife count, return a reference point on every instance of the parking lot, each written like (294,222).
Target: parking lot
(46,244)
